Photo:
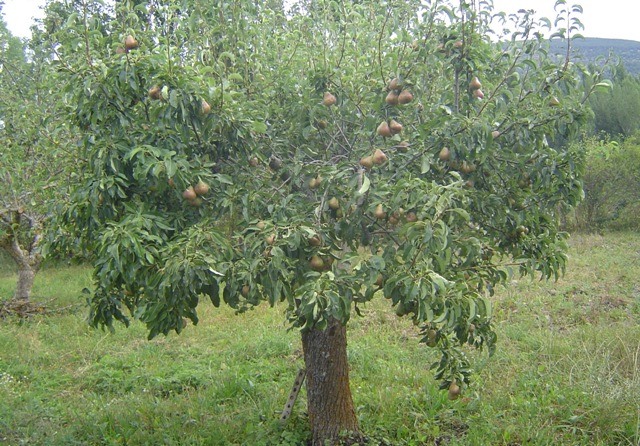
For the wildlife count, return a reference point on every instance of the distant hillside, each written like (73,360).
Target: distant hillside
(589,48)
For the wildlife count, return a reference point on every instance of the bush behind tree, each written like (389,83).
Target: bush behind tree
(611,186)
(617,110)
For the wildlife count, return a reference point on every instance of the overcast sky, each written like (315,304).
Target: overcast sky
(614,19)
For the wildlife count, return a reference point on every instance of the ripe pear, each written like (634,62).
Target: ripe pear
(384,130)
(379,212)
(495,134)
(395,127)
(322,123)
(316,263)
(130,43)
(206,108)
(379,157)
(405,97)
(402,146)
(261,225)
(201,188)
(468,167)
(454,391)
(394,84)
(120,50)
(155,92)
(314,183)
(379,280)
(367,162)
(411,217)
(189,193)
(392,98)
(315,240)
(329,99)
(475,84)
(445,154)
(478,94)
(270,239)
(334,203)
(245,290)
(253,161)
(554,102)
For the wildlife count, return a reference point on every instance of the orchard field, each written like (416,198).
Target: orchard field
(347,164)
(567,371)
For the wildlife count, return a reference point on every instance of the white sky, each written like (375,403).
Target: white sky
(611,19)
(614,19)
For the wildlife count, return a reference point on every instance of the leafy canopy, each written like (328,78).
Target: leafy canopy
(466,190)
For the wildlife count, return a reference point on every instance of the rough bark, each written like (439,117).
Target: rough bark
(330,406)
(26,277)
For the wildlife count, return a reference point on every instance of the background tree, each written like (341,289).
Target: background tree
(322,157)
(33,158)
(611,185)
(617,110)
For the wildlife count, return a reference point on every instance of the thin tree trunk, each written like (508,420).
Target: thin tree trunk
(330,406)
(28,258)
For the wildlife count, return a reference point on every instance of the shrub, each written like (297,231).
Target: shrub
(611,186)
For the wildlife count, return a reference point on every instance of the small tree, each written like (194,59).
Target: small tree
(611,186)
(32,159)
(322,157)
(617,110)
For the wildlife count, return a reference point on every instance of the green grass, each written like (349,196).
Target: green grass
(567,369)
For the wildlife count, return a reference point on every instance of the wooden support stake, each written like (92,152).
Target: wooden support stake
(293,395)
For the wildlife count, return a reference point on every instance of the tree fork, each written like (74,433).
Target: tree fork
(330,405)
(28,259)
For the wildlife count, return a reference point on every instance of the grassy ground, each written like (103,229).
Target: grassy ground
(567,370)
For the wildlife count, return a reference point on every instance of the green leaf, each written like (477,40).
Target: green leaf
(426,164)
(259,127)
(366,183)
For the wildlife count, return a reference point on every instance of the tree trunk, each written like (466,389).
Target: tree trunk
(330,405)
(26,277)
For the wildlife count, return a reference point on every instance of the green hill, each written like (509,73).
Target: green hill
(588,49)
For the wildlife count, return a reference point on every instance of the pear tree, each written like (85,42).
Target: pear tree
(321,154)
(35,166)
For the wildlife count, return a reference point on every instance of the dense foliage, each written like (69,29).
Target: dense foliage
(320,157)
(35,153)
(617,111)
(611,186)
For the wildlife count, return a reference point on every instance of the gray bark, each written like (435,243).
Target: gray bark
(330,405)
